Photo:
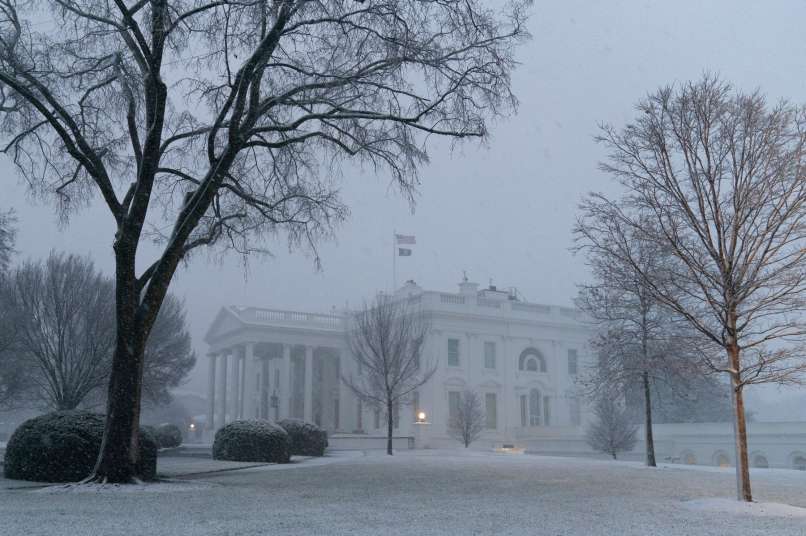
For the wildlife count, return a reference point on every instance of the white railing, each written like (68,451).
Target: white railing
(331,321)
(452,299)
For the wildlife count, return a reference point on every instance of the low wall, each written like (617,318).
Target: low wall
(368,442)
(776,445)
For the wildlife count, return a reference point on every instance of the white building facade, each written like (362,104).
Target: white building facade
(521,358)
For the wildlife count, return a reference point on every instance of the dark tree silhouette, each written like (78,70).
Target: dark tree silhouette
(214,122)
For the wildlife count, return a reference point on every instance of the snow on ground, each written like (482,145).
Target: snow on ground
(424,493)
(157,487)
(732,506)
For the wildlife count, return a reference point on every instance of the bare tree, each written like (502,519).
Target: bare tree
(640,338)
(387,339)
(169,355)
(59,309)
(208,122)
(718,178)
(612,431)
(468,419)
(13,380)
(62,312)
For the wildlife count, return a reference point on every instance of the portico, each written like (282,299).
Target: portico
(273,364)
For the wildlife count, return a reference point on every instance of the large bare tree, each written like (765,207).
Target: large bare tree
(224,122)
(468,420)
(719,178)
(387,339)
(62,312)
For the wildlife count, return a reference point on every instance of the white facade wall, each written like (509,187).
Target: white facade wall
(472,317)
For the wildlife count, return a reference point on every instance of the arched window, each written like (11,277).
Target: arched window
(721,459)
(532,361)
(799,462)
(689,458)
(759,460)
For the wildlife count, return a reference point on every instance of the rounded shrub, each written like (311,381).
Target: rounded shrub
(168,436)
(63,446)
(307,439)
(252,441)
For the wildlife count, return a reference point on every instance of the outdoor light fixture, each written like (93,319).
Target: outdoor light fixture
(193,426)
(421,416)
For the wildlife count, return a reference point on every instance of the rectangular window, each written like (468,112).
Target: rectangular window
(572,362)
(524,411)
(377,419)
(576,412)
(415,403)
(546,412)
(359,416)
(336,415)
(453,352)
(453,404)
(396,416)
(489,355)
(492,411)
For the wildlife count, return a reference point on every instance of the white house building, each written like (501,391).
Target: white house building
(522,358)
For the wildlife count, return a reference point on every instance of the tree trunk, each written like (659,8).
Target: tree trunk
(389,428)
(740,430)
(119,455)
(650,442)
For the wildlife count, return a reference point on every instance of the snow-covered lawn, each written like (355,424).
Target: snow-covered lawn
(424,493)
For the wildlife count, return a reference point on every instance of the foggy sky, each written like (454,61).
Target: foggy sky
(500,210)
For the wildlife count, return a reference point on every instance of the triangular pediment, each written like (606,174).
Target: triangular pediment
(226,321)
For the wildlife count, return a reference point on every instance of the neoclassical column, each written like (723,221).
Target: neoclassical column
(241,382)
(343,409)
(223,390)
(249,382)
(308,407)
(265,389)
(285,383)
(235,403)
(211,392)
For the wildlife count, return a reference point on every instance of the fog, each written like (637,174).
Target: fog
(502,211)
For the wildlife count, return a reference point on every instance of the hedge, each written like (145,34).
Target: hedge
(63,446)
(252,441)
(307,439)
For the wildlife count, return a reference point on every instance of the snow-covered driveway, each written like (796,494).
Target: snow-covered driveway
(421,493)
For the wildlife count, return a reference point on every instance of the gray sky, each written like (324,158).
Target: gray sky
(503,210)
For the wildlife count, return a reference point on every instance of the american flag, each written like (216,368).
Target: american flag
(404,239)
